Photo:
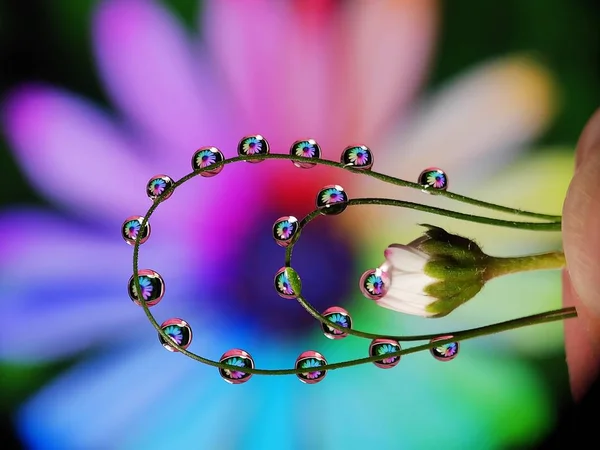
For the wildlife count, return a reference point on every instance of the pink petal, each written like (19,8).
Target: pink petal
(297,73)
(73,154)
(149,71)
(386,49)
(246,41)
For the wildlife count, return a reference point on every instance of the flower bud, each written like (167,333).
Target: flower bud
(434,274)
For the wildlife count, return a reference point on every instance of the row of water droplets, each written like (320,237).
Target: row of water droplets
(330,200)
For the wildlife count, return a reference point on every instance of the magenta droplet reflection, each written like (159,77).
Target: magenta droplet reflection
(152,287)
(374,283)
(307,148)
(357,156)
(445,352)
(311,361)
(284,230)
(238,359)
(253,145)
(179,332)
(158,185)
(339,316)
(382,347)
(204,158)
(132,227)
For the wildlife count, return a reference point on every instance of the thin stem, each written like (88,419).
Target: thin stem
(528,320)
(456,336)
(382,177)
(496,267)
(400,182)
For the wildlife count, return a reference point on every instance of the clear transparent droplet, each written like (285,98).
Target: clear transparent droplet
(252,146)
(444,352)
(206,157)
(152,287)
(339,316)
(374,283)
(284,284)
(311,361)
(132,227)
(238,359)
(382,347)
(157,185)
(179,332)
(357,156)
(307,148)
(332,200)
(284,230)
(433,179)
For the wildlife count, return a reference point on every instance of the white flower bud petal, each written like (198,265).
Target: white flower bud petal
(409,282)
(404,307)
(405,258)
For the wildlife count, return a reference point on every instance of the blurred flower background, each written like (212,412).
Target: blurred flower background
(99,96)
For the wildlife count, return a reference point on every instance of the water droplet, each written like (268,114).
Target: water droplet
(283,282)
(238,359)
(284,230)
(374,283)
(357,156)
(338,316)
(307,148)
(433,179)
(179,331)
(131,228)
(253,145)
(205,157)
(332,200)
(311,360)
(157,185)
(382,347)
(444,352)
(152,287)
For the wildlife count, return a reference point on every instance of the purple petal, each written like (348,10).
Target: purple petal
(73,154)
(148,68)
(64,286)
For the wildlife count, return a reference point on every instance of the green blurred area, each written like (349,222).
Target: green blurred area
(561,33)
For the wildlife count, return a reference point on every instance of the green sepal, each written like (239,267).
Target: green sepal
(437,242)
(450,296)
(457,262)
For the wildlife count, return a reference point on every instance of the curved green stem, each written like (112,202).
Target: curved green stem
(549,316)
(399,182)
(379,176)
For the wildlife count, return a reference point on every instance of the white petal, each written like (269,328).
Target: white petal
(406,308)
(405,258)
(416,300)
(410,282)
(470,126)
(481,118)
